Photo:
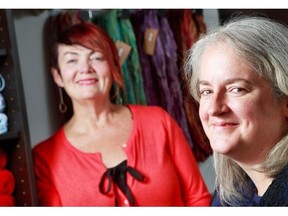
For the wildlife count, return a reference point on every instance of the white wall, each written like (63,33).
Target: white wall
(37,81)
(211,18)
(39,89)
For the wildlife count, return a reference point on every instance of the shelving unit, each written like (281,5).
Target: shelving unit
(3,53)
(9,136)
(16,142)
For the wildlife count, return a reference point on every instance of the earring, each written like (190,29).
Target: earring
(62,106)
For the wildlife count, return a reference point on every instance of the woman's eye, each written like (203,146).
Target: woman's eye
(98,58)
(71,61)
(205,92)
(237,90)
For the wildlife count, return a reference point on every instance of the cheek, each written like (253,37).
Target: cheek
(203,112)
(250,109)
(67,74)
(106,74)
(242,105)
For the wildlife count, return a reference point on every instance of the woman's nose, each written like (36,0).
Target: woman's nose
(86,67)
(218,105)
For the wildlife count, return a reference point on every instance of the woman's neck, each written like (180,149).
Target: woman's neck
(92,116)
(260,179)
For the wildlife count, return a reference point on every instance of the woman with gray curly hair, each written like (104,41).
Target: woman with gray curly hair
(239,75)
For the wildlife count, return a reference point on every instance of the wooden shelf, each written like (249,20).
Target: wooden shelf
(3,52)
(9,135)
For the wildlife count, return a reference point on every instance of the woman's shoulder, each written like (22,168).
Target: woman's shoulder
(215,199)
(147,109)
(48,144)
(150,115)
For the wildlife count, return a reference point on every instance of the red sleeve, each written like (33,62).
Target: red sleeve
(47,194)
(194,189)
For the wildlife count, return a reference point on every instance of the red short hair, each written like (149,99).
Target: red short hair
(92,37)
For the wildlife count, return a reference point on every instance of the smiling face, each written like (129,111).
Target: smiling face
(239,112)
(84,73)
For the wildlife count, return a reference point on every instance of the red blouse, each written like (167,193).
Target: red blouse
(156,148)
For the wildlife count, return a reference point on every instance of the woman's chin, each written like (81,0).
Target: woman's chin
(222,148)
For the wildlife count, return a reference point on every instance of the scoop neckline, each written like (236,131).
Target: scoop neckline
(125,146)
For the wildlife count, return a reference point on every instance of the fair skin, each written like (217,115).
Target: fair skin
(97,125)
(239,112)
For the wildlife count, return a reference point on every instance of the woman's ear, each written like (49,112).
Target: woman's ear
(57,77)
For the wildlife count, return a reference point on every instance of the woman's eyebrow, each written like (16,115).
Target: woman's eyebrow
(227,81)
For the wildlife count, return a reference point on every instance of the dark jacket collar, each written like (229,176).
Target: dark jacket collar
(276,194)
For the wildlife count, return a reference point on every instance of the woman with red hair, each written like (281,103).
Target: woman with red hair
(108,154)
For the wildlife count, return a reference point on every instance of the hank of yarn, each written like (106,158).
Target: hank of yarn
(7,200)
(7,182)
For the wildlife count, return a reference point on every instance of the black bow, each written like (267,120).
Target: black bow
(117,175)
